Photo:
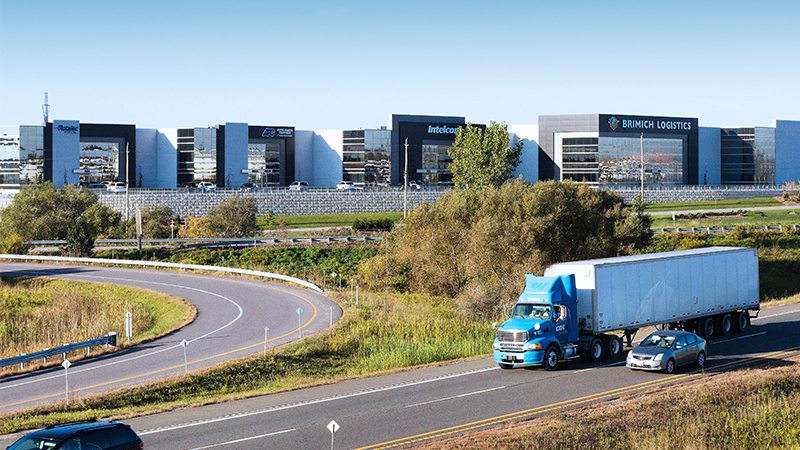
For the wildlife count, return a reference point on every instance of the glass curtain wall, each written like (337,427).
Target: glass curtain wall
(205,155)
(436,162)
(579,159)
(102,158)
(353,156)
(620,161)
(263,160)
(377,156)
(748,155)
(31,154)
(9,161)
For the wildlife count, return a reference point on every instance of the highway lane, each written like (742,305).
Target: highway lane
(398,410)
(232,315)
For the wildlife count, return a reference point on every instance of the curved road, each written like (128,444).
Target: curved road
(231,317)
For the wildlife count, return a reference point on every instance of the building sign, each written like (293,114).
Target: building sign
(67,129)
(444,129)
(617,123)
(270,132)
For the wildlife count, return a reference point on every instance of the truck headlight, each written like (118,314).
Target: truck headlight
(533,346)
(496,345)
(658,357)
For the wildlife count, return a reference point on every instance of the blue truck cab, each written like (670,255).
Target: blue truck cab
(543,327)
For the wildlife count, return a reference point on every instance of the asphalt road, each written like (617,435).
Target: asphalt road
(231,317)
(399,410)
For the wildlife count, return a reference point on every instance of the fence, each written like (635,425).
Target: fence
(109,339)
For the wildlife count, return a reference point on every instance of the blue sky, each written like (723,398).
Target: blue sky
(331,65)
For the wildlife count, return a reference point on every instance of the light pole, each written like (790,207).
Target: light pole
(405,183)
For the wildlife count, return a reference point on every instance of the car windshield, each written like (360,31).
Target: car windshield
(531,311)
(656,340)
(27,443)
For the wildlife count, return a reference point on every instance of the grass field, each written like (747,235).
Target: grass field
(753,218)
(727,204)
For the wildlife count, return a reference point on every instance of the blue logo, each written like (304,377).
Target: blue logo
(268,133)
(613,122)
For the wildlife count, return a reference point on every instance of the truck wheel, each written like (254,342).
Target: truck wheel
(551,358)
(595,351)
(707,327)
(725,324)
(506,366)
(741,320)
(613,346)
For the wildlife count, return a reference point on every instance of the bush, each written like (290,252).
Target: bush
(372,224)
(13,244)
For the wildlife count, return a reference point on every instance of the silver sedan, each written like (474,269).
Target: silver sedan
(666,350)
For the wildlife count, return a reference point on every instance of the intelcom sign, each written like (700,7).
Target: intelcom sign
(67,129)
(433,129)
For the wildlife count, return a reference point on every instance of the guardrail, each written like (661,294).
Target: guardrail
(109,339)
(723,229)
(230,241)
(123,262)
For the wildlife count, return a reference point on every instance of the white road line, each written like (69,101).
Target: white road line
(245,439)
(313,402)
(132,358)
(775,315)
(737,338)
(455,396)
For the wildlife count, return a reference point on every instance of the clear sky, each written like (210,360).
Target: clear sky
(351,64)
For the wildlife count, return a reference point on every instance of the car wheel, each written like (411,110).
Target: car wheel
(725,325)
(506,366)
(741,321)
(701,359)
(551,358)
(670,367)
(613,346)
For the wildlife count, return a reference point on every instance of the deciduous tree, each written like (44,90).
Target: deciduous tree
(483,157)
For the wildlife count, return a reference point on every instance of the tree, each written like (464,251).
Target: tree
(483,158)
(477,244)
(156,222)
(234,217)
(40,211)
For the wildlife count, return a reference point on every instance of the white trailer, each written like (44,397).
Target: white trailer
(707,291)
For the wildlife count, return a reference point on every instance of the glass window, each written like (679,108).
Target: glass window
(620,160)
(102,158)
(263,159)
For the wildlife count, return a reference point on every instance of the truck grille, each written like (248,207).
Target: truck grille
(512,336)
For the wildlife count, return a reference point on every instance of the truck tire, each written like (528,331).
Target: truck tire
(613,346)
(595,351)
(707,327)
(725,325)
(741,320)
(551,358)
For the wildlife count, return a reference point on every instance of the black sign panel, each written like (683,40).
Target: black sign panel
(617,123)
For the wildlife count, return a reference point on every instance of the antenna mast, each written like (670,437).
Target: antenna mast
(46,110)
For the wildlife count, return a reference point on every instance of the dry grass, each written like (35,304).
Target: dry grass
(746,409)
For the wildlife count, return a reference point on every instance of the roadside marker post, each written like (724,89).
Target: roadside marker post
(66,365)
(299,323)
(266,329)
(128,326)
(333,427)
(185,343)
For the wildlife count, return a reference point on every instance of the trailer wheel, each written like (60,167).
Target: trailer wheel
(725,324)
(613,346)
(707,327)
(551,358)
(506,366)
(741,320)
(595,351)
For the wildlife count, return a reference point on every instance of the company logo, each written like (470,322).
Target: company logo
(66,129)
(613,122)
(268,133)
(442,130)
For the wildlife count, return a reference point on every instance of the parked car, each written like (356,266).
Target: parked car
(298,186)
(116,187)
(414,184)
(96,435)
(666,350)
(92,185)
(207,186)
(345,186)
(189,185)
(247,187)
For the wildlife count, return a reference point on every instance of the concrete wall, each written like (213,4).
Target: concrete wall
(709,157)
(787,151)
(146,157)
(328,148)
(529,168)
(66,151)
(197,204)
(304,155)
(167,158)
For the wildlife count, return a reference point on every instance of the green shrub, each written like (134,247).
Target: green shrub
(372,224)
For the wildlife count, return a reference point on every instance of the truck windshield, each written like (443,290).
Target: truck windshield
(531,311)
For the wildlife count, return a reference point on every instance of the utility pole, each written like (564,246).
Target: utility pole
(405,184)
(641,156)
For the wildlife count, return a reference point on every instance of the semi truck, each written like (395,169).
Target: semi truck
(584,309)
